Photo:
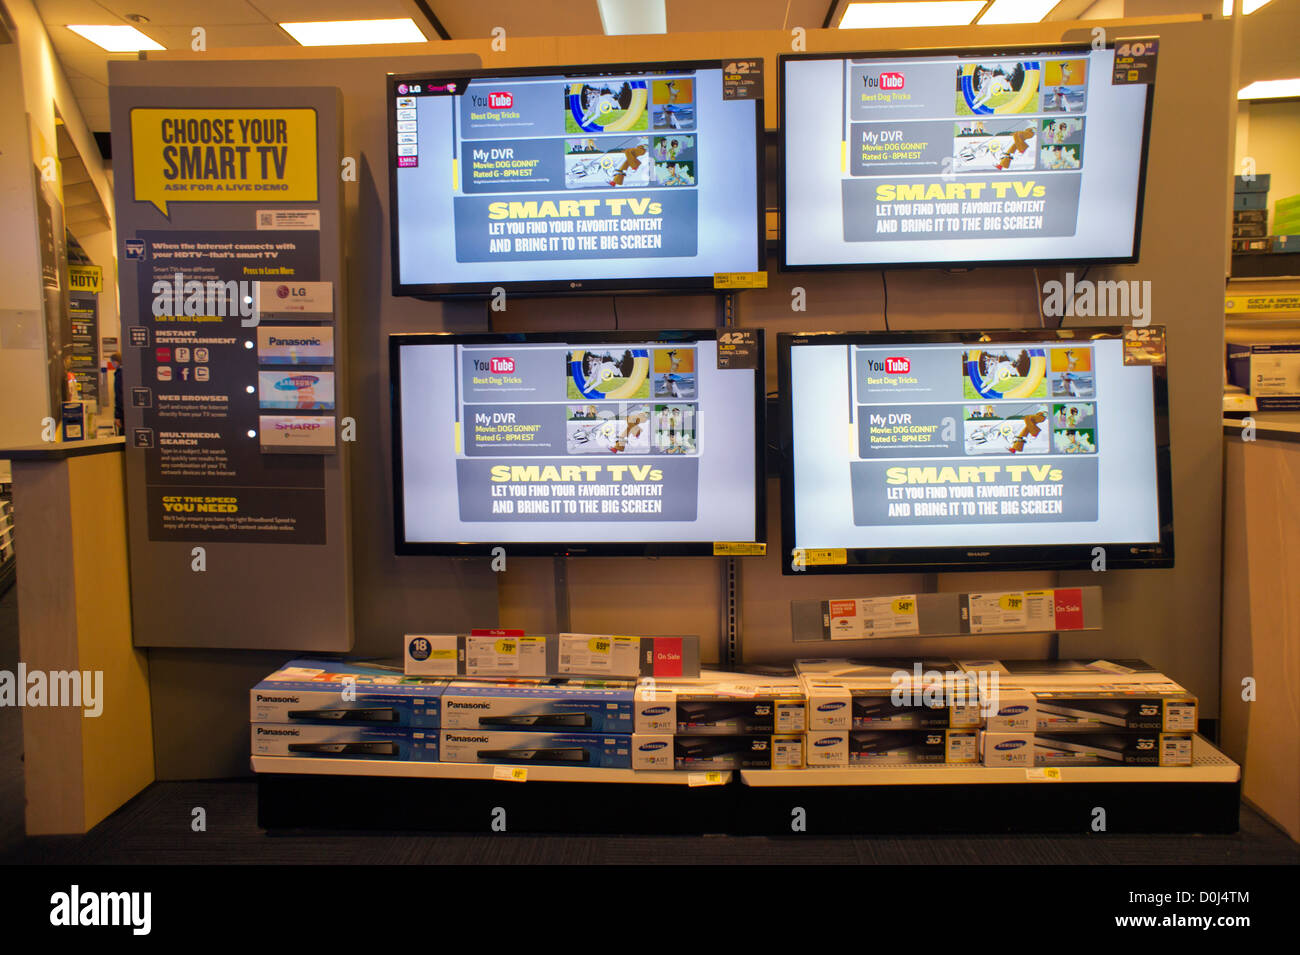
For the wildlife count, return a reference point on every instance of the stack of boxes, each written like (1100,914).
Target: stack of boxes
(721,721)
(1071,713)
(1250,214)
(864,713)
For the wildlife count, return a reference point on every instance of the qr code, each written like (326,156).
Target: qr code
(265,220)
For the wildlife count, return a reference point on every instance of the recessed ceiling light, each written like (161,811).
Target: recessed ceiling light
(1247,6)
(355,32)
(1270,89)
(116,38)
(1018,11)
(924,13)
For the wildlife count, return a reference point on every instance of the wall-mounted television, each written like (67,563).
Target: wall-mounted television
(591,443)
(566,179)
(966,450)
(961,157)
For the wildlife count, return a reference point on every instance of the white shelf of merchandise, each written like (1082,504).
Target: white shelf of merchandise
(316,766)
(1209,765)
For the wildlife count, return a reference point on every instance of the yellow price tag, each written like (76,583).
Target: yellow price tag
(1012,601)
(1051,774)
(507,647)
(738,549)
(598,645)
(816,558)
(510,774)
(904,606)
(713,778)
(727,280)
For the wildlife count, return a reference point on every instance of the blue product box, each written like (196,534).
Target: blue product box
(1286,243)
(1250,200)
(402,744)
(330,692)
(576,706)
(1258,184)
(590,750)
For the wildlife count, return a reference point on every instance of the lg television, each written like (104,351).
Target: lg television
(569,179)
(960,158)
(967,450)
(591,443)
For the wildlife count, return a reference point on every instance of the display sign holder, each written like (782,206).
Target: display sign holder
(229,213)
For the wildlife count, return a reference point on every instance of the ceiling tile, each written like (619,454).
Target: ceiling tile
(225,37)
(88,65)
(466,21)
(296,11)
(187,13)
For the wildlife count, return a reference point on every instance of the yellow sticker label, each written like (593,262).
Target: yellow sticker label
(740,280)
(1238,304)
(816,558)
(738,549)
(445,654)
(507,647)
(904,606)
(713,778)
(599,645)
(1011,601)
(511,774)
(1050,774)
(223,155)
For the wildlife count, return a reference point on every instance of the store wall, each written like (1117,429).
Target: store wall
(1170,617)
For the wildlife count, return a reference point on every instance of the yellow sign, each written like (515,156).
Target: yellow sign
(738,549)
(223,155)
(740,280)
(817,558)
(86,278)
(1239,304)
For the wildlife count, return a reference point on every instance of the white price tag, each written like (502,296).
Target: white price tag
(1048,774)
(998,612)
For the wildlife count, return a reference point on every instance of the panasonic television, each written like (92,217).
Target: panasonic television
(960,158)
(966,450)
(590,443)
(569,179)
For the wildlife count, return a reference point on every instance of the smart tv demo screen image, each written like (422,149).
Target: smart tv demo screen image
(922,453)
(961,158)
(645,178)
(587,444)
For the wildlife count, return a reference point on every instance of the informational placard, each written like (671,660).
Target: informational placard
(228,212)
(83,357)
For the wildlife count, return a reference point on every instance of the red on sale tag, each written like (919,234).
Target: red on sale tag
(1069,608)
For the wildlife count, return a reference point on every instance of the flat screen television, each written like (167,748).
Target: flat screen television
(589,443)
(565,179)
(966,450)
(959,158)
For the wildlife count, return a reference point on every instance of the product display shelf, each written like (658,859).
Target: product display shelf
(1209,765)
(314,766)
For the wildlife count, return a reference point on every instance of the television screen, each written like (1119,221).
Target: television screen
(612,443)
(997,450)
(961,158)
(564,179)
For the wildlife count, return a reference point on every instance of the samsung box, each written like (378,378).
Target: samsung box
(1070,695)
(840,749)
(704,753)
(849,703)
(720,704)
(325,691)
(1086,749)
(345,742)
(604,750)
(575,706)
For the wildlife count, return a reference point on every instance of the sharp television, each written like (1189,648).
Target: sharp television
(590,443)
(568,179)
(965,450)
(960,158)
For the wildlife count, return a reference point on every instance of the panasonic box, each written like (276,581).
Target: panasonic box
(721,704)
(325,691)
(833,749)
(574,706)
(612,751)
(345,742)
(703,753)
